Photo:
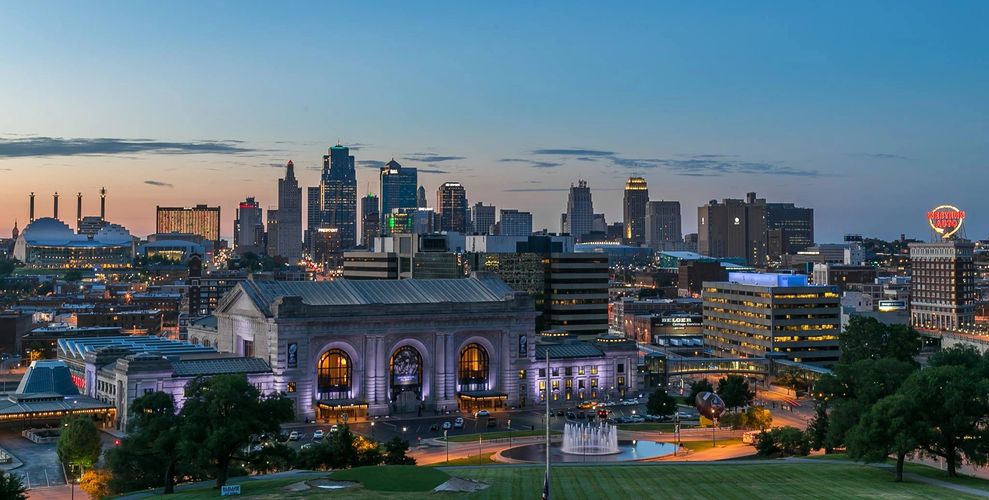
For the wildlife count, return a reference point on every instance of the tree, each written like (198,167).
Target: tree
(279,457)
(395,452)
(755,417)
(96,483)
(11,486)
(783,441)
(157,433)
(953,404)
(867,338)
(219,417)
(79,444)
(698,387)
(661,403)
(72,275)
(735,392)
(7,266)
(891,426)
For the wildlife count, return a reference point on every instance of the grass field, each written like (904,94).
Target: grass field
(722,482)
(485,460)
(394,478)
(707,444)
(472,438)
(920,470)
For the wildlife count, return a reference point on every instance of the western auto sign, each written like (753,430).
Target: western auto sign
(946,220)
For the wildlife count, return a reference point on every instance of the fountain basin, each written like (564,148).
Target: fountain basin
(628,451)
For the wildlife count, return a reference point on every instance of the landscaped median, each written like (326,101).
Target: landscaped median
(488,436)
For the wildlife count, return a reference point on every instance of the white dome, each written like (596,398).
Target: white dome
(49,231)
(113,234)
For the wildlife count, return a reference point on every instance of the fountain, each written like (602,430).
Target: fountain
(590,439)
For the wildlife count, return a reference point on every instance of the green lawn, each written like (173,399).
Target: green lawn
(707,444)
(394,478)
(920,470)
(468,438)
(485,460)
(722,482)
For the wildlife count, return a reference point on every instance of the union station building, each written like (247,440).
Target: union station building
(349,349)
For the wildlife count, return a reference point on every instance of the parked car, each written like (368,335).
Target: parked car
(294,436)
(587,405)
(571,415)
(622,420)
(559,413)
(636,419)
(458,423)
(602,413)
(447,425)
(482,413)
(334,428)
(318,434)
(434,427)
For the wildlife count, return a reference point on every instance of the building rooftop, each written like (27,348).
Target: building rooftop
(364,292)
(47,376)
(77,348)
(218,366)
(568,350)
(768,279)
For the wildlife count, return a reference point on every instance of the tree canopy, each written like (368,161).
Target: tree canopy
(661,403)
(735,391)
(79,444)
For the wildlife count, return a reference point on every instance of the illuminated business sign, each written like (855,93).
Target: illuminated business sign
(946,220)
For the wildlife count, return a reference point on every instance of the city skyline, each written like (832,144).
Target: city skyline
(800,105)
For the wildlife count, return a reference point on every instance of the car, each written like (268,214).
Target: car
(458,423)
(294,436)
(559,413)
(434,427)
(571,415)
(318,434)
(587,405)
(622,420)
(482,413)
(447,425)
(637,419)
(602,413)
(334,428)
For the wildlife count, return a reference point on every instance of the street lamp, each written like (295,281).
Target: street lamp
(447,441)
(509,433)
(372,430)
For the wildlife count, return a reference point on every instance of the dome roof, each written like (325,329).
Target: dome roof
(49,231)
(113,234)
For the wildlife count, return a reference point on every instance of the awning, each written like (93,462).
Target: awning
(483,395)
(341,404)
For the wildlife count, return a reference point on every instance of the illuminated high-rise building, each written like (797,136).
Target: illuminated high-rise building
(398,188)
(579,219)
(287,234)
(482,217)
(634,204)
(942,285)
(338,192)
(249,228)
(451,204)
(200,219)
(370,220)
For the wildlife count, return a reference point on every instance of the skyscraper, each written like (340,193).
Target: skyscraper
(579,219)
(338,193)
(663,224)
(271,234)
(313,213)
(370,220)
(636,198)
(201,220)
(482,217)
(288,218)
(790,229)
(398,188)
(451,204)
(421,198)
(733,229)
(515,223)
(249,227)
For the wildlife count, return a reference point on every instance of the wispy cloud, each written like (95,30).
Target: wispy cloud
(158,183)
(431,157)
(371,163)
(572,152)
(708,164)
(532,163)
(60,146)
(883,156)
(534,190)
(431,171)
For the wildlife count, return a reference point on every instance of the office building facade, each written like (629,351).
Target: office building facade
(200,219)
(370,220)
(514,223)
(451,204)
(482,218)
(634,210)
(663,224)
(249,228)
(287,234)
(398,188)
(942,283)
(338,193)
(772,315)
(578,221)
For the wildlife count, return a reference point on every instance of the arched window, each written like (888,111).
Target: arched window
(473,367)
(205,342)
(406,370)
(334,371)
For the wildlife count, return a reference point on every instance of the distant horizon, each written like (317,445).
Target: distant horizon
(871,114)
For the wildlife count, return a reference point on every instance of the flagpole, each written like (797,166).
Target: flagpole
(548,385)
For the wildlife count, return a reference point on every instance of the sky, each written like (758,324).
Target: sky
(869,112)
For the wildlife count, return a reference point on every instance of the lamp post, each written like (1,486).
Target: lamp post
(509,433)
(479,438)
(372,430)
(447,441)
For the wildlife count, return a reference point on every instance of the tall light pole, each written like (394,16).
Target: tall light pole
(509,433)
(447,441)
